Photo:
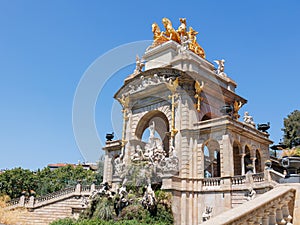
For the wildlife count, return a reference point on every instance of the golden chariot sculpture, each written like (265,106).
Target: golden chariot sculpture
(181,36)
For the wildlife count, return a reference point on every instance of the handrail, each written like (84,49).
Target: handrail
(55,194)
(265,206)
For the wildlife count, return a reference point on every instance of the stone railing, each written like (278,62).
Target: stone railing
(33,202)
(273,207)
(258,177)
(276,176)
(241,182)
(238,180)
(55,194)
(213,181)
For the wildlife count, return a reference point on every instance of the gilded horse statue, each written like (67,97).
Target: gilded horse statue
(170,32)
(194,46)
(158,36)
(180,36)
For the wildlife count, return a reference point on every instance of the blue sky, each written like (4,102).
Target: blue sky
(46,47)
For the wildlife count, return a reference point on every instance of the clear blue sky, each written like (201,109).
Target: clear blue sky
(46,46)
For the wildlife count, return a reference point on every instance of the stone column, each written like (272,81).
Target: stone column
(31,201)
(279,216)
(226,154)
(22,201)
(253,164)
(272,217)
(265,220)
(78,188)
(243,163)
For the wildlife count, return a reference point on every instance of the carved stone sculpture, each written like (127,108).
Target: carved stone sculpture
(221,67)
(248,119)
(207,214)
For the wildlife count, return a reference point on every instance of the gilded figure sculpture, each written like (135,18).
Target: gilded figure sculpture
(236,107)
(170,32)
(182,28)
(194,46)
(158,36)
(181,36)
(198,90)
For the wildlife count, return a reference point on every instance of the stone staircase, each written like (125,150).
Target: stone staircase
(238,198)
(43,210)
(277,206)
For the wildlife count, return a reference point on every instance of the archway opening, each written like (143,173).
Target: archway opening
(247,159)
(212,162)
(258,165)
(208,116)
(237,158)
(157,121)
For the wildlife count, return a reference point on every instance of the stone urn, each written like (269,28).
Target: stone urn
(268,164)
(263,127)
(292,165)
(226,110)
(109,137)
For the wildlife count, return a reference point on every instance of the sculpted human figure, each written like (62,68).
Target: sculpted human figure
(138,155)
(170,32)
(158,36)
(248,119)
(138,65)
(236,107)
(152,129)
(221,67)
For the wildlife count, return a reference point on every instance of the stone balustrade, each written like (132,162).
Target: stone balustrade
(33,202)
(213,181)
(240,182)
(272,208)
(258,177)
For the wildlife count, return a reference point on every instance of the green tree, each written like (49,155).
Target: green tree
(291,129)
(15,181)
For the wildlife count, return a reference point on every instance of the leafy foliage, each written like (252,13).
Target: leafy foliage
(101,211)
(15,181)
(292,129)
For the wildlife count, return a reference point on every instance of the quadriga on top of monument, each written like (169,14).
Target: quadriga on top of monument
(182,130)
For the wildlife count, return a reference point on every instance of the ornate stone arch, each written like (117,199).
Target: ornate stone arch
(162,126)
(208,116)
(237,157)
(258,161)
(212,160)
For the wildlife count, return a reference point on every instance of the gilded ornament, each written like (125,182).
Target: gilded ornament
(198,90)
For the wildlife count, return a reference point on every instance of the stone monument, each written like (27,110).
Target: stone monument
(178,98)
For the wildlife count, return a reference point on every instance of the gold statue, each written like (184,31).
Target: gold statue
(172,85)
(180,36)
(236,107)
(170,32)
(124,101)
(194,46)
(182,28)
(198,90)
(158,36)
